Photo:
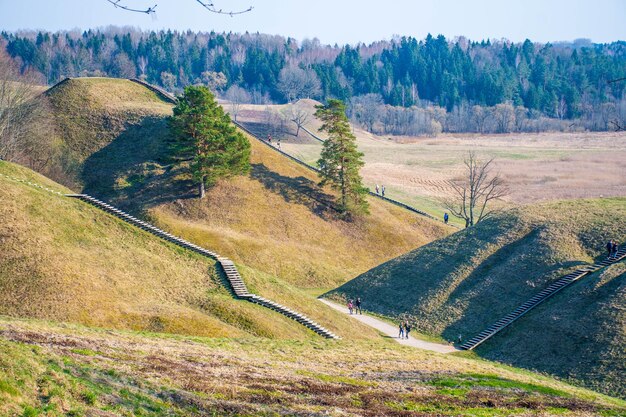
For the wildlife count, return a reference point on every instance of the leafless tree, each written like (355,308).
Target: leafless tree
(475,192)
(366,109)
(152,10)
(24,118)
(237,96)
(213,80)
(296,83)
(504,115)
(299,116)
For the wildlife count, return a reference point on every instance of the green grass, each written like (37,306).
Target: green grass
(465,282)
(65,260)
(155,375)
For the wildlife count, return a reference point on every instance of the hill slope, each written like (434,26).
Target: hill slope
(463,283)
(276,220)
(63,260)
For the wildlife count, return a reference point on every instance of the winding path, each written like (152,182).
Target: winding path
(392,331)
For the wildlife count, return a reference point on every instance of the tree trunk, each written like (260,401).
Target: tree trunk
(202,189)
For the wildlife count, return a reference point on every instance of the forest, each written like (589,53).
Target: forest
(401,86)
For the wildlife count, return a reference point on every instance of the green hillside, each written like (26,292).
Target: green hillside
(275,220)
(63,260)
(461,284)
(584,327)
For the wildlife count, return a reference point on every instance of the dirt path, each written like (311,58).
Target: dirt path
(392,331)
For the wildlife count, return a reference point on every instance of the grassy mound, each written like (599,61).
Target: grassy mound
(70,370)
(276,220)
(463,283)
(64,260)
(584,327)
(90,112)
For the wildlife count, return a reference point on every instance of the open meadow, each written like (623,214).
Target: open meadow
(417,170)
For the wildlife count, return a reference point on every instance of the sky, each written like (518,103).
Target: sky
(341,21)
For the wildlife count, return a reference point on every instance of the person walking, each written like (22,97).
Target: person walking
(278,142)
(377,189)
(382,189)
(350,306)
(401,330)
(614,250)
(407,329)
(609,247)
(358,306)
(445,218)
(269,138)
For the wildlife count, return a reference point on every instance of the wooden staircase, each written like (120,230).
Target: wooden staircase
(538,299)
(234,278)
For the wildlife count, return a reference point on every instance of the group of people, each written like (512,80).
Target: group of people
(404,328)
(354,306)
(611,248)
(380,190)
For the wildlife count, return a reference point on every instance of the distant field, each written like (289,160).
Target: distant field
(538,167)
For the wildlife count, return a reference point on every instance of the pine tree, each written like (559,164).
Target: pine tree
(340,160)
(205,139)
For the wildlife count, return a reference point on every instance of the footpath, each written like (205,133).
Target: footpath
(392,331)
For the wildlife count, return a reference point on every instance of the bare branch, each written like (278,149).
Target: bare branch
(117,4)
(211,7)
(206,4)
(472,194)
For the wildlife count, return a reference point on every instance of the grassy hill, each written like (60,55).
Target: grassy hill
(63,260)
(584,327)
(90,112)
(464,282)
(275,220)
(53,370)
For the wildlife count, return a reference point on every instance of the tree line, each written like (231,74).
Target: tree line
(560,81)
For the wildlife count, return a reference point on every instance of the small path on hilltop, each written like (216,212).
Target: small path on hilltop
(392,331)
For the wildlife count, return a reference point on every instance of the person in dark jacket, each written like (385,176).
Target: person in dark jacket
(609,247)
(445,218)
(357,306)
(614,250)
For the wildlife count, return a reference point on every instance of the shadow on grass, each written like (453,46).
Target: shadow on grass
(132,171)
(298,190)
(517,270)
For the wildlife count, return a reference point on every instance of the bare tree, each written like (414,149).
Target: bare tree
(366,108)
(24,118)
(295,83)
(237,96)
(474,193)
(299,116)
(504,115)
(214,80)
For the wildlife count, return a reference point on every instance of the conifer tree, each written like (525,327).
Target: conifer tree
(340,159)
(205,139)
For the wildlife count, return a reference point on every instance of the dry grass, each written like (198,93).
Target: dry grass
(64,260)
(538,167)
(69,370)
(278,221)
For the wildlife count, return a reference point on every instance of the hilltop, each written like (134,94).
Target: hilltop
(64,260)
(463,283)
(275,220)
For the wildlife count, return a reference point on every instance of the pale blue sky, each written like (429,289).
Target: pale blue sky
(342,21)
